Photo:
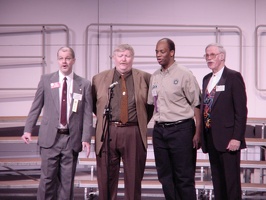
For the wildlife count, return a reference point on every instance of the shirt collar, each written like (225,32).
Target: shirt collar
(126,74)
(219,73)
(169,69)
(69,77)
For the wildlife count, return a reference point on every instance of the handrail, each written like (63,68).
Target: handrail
(257,69)
(43,29)
(217,30)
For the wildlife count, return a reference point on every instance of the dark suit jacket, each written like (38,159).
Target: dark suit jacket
(47,98)
(100,84)
(229,111)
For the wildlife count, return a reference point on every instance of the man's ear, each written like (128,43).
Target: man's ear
(222,56)
(172,53)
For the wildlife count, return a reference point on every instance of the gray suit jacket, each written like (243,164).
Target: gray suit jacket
(47,98)
(100,84)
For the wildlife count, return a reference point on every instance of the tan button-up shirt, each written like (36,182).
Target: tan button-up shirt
(174,93)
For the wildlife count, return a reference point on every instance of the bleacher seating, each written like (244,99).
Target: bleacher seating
(18,161)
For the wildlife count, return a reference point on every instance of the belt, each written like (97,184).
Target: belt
(63,131)
(120,124)
(169,124)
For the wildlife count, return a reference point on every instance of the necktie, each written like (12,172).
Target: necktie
(64,103)
(123,107)
(208,100)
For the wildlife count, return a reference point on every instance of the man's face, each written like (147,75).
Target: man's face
(123,61)
(65,61)
(164,56)
(214,59)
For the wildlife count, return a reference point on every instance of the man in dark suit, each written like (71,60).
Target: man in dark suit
(66,126)
(128,137)
(224,114)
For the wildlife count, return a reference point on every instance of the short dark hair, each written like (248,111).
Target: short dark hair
(171,44)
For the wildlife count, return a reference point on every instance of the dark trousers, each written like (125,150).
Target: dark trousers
(176,160)
(225,170)
(58,169)
(125,144)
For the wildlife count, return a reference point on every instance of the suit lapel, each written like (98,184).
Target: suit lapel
(107,81)
(207,80)
(109,78)
(137,88)
(77,83)
(55,91)
(205,84)
(221,82)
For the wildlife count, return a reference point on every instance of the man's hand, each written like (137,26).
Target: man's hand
(233,145)
(196,141)
(86,146)
(197,118)
(26,137)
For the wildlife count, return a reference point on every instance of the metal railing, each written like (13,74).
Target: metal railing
(257,68)
(42,29)
(216,29)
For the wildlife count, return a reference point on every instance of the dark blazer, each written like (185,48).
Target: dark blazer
(100,84)
(229,111)
(47,98)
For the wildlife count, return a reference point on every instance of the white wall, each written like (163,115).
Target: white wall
(78,14)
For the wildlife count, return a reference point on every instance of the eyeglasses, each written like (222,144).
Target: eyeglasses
(67,59)
(211,56)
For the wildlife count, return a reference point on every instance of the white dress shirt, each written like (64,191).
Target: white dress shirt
(215,79)
(69,93)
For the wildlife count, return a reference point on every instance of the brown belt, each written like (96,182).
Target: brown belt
(63,131)
(120,124)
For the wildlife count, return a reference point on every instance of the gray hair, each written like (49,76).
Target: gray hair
(219,46)
(123,47)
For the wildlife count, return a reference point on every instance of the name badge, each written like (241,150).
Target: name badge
(77,96)
(220,88)
(75,105)
(154,91)
(55,85)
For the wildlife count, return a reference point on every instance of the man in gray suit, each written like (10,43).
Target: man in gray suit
(62,135)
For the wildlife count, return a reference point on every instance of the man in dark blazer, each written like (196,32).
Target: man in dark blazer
(224,115)
(60,142)
(128,140)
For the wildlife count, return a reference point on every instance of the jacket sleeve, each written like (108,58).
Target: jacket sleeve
(88,130)
(240,106)
(36,107)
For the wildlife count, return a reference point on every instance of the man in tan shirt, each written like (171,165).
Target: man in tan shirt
(175,94)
